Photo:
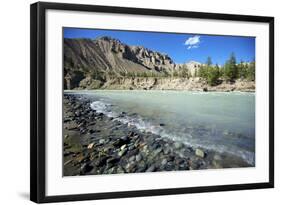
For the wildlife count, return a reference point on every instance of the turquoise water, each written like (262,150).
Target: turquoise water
(222,121)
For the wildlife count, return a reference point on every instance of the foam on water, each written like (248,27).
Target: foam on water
(147,126)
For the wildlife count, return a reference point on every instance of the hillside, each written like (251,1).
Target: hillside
(109,57)
(107,63)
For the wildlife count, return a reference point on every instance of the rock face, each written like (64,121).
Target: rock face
(86,57)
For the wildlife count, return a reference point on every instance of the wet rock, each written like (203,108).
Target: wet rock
(216,164)
(102,141)
(217,157)
(131,147)
(166,150)
(123,146)
(170,166)
(90,146)
(67,162)
(71,126)
(101,161)
(121,141)
(132,152)
(67,153)
(113,170)
(81,124)
(77,113)
(183,167)
(138,157)
(131,134)
(112,160)
(120,170)
(151,168)
(142,167)
(131,167)
(77,106)
(79,158)
(164,162)
(178,145)
(157,151)
(117,143)
(91,113)
(155,145)
(90,131)
(170,158)
(200,153)
(67,120)
(83,130)
(85,168)
(132,158)
(125,139)
(122,152)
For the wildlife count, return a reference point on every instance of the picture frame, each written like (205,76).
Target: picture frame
(39,110)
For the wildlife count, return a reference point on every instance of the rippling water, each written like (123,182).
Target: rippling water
(222,121)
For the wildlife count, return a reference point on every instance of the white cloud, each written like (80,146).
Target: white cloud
(192,42)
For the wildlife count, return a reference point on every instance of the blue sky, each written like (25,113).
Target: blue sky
(180,47)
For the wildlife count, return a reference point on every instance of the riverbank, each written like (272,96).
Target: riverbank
(166,83)
(97,144)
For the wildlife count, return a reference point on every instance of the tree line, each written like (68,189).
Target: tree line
(230,71)
(212,73)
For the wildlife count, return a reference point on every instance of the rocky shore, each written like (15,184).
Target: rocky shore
(97,144)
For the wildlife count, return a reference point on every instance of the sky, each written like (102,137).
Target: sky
(181,48)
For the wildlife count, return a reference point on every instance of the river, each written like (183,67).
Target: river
(221,121)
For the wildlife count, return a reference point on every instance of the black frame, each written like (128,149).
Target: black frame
(37,101)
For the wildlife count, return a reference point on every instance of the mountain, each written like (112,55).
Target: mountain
(98,59)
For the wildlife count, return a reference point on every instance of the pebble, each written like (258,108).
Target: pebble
(166,150)
(122,152)
(141,166)
(157,151)
(67,162)
(77,113)
(151,168)
(178,145)
(138,157)
(217,157)
(85,168)
(123,146)
(132,158)
(200,153)
(132,150)
(101,161)
(90,146)
(120,170)
(164,161)
(112,160)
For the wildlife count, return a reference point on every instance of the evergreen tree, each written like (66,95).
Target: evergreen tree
(231,68)
(251,71)
(209,61)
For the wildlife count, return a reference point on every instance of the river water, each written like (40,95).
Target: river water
(221,121)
